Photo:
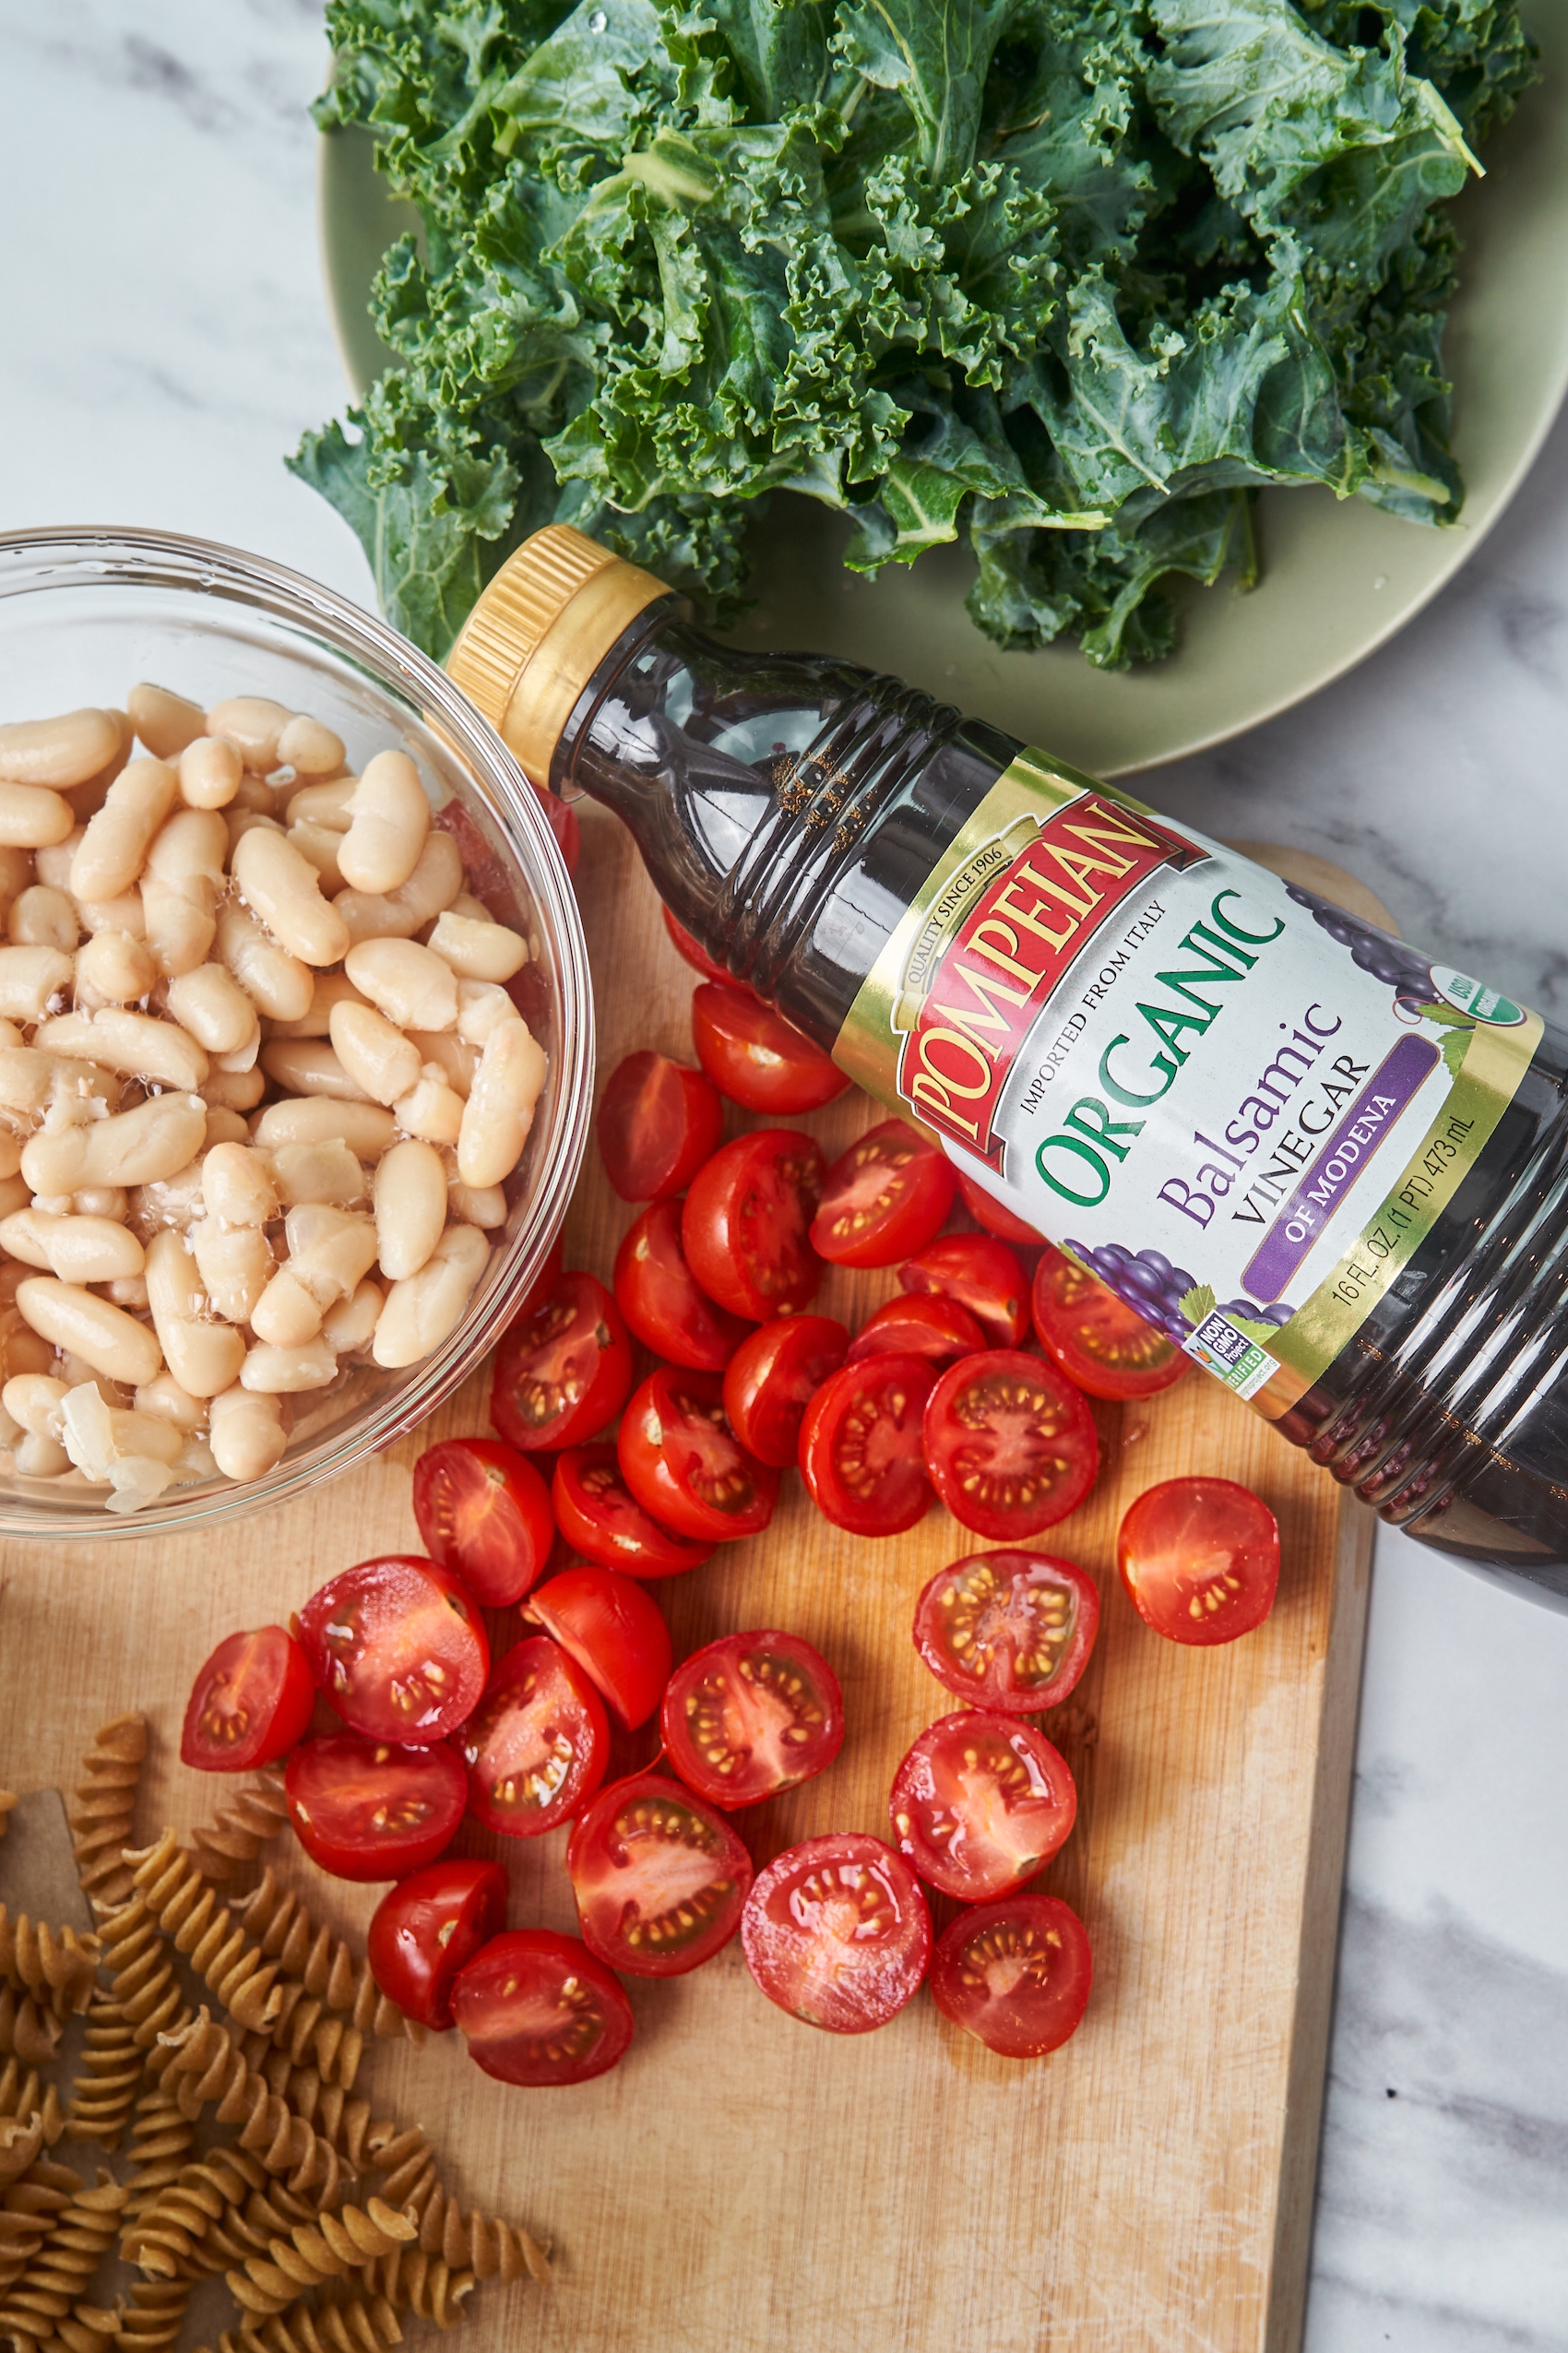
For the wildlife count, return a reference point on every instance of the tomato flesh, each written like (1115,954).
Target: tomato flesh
(836,1931)
(1010,1445)
(663,1307)
(396,1647)
(564,1371)
(1200,1560)
(600,1518)
(980,1803)
(684,1465)
(758,1058)
(483,1511)
(883,1198)
(537,2008)
(251,1701)
(1011,1631)
(862,1445)
(750,1714)
(693,952)
(658,1122)
(771,1379)
(615,1631)
(427,1928)
(536,1746)
(659,1877)
(367,1810)
(917,1324)
(982,1275)
(995,1217)
(745,1223)
(1095,1338)
(1017,1975)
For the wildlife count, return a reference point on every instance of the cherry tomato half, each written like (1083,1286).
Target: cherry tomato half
(979,1803)
(397,1648)
(1008,1630)
(746,1222)
(658,1122)
(982,1275)
(536,1746)
(685,1465)
(483,1511)
(883,1198)
(1099,1341)
(994,1216)
(537,2008)
(615,1631)
(427,1928)
(659,1877)
(695,954)
(251,1702)
(1010,1445)
(771,1379)
(1200,1559)
(600,1518)
(564,1371)
(367,1810)
(836,1931)
(1017,1975)
(758,1058)
(660,1299)
(751,1714)
(862,1445)
(917,1324)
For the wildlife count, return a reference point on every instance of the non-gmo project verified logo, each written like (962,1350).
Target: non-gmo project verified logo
(1227,1353)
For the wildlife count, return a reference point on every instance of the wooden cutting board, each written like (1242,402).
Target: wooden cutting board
(743,2181)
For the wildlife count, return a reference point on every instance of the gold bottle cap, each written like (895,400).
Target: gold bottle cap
(538,634)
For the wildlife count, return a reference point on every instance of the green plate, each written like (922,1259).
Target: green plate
(1337,579)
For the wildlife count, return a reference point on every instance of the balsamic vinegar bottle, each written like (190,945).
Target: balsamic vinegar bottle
(1335,1172)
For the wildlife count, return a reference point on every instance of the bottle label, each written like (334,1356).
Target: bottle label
(1240,1106)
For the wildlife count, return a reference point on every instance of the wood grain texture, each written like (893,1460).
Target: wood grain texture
(743,2181)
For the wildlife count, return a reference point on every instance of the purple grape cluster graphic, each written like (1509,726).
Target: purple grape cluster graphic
(1401,968)
(1147,1281)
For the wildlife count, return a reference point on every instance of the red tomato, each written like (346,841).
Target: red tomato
(536,1746)
(537,2008)
(1008,1630)
(987,1211)
(771,1379)
(982,1275)
(599,1518)
(483,1511)
(758,1058)
(684,1464)
(745,1222)
(1100,1343)
(662,1304)
(917,1324)
(861,1445)
(251,1702)
(615,1631)
(1010,1445)
(980,1803)
(750,1714)
(366,1809)
(659,1878)
(564,1371)
(658,1122)
(885,1197)
(1200,1559)
(397,1648)
(836,1931)
(696,955)
(425,1929)
(1016,1974)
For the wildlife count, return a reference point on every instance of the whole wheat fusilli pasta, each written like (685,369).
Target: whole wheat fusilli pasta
(27,2031)
(55,1966)
(231,1842)
(208,2069)
(31,2309)
(162,2136)
(341,2242)
(482,2243)
(153,2316)
(367,2325)
(103,1810)
(322,1963)
(104,2094)
(29,2207)
(424,2285)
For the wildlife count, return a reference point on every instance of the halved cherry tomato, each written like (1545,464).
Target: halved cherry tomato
(658,1122)
(995,1217)
(600,1518)
(1017,1975)
(685,1465)
(696,955)
(251,1702)
(982,1275)
(862,1445)
(980,1803)
(659,1877)
(756,1057)
(1200,1559)
(483,1511)
(751,1714)
(1098,1340)
(917,1324)
(427,1928)
(537,2008)
(615,1631)
(745,1222)
(1010,1445)
(1008,1630)
(885,1197)
(771,1379)
(658,1295)
(397,1648)
(536,1745)
(369,1810)
(836,1931)
(564,1371)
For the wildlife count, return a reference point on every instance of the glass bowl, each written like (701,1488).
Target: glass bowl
(84,615)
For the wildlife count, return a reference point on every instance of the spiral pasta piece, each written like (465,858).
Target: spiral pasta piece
(58,1968)
(53,2281)
(344,2121)
(26,2031)
(164,2236)
(161,2139)
(408,2163)
(154,2317)
(482,2243)
(424,2285)
(367,2325)
(87,2328)
(322,1963)
(26,2101)
(102,1810)
(241,2232)
(234,1837)
(29,2207)
(141,1969)
(207,2069)
(104,2094)
(341,2242)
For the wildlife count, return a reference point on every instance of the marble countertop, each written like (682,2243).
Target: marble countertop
(167,340)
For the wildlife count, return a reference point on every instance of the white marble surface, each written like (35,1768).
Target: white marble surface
(167,340)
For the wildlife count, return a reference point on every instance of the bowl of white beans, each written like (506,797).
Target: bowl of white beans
(296,1034)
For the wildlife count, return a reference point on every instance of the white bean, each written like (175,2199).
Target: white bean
(324,804)
(319,849)
(499,1111)
(348,1328)
(331,988)
(131,1042)
(34,1401)
(165,722)
(87,798)
(481,1007)
(377,1057)
(114,850)
(309,1067)
(275,1371)
(79,1250)
(125,913)
(174,1201)
(31,816)
(252,723)
(99,1201)
(284,889)
(58,752)
(128,1291)
(452,1056)
(245,1433)
(210,770)
(133,1147)
(474,1204)
(235,1264)
(431,1110)
(398,914)
(410,1208)
(33,1083)
(390,818)
(41,1459)
(106,1337)
(14,1195)
(326,1172)
(53,865)
(309,748)
(181,889)
(29,977)
(41,917)
(422,1311)
(478,951)
(163,1399)
(113,967)
(210,1004)
(413,987)
(204,1356)
(279,984)
(237,1186)
(366,1128)
(228,1094)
